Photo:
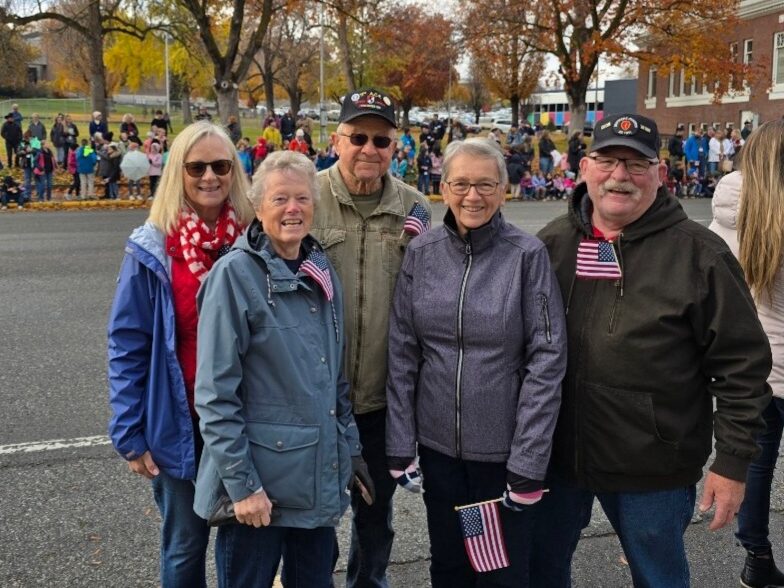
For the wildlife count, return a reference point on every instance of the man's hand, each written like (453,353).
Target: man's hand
(255,510)
(362,481)
(726,495)
(144,466)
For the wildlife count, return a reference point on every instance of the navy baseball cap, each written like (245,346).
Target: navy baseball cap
(367,102)
(627,130)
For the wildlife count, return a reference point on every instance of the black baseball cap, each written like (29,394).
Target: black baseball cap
(627,130)
(366,102)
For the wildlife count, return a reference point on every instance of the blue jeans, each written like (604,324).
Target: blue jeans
(43,186)
(423,184)
(371,526)
(754,513)
(247,556)
(650,526)
(28,181)
(713,167)
(546,165)
(450,482)
(184,535)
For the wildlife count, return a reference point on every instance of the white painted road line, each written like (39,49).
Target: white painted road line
(34,446)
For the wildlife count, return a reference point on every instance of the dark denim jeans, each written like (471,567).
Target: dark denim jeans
(650,526)
(184,535)
(450,482)
(754,513)
(248,557)
(371,526)
(43,186)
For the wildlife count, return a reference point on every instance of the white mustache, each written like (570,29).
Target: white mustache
(614,186)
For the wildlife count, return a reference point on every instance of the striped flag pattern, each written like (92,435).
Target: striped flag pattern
(316,266)
(417,221)
(596,260)
(483,536)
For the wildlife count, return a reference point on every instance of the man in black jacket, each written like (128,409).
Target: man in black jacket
(675,147)
(660,324)
(12,133)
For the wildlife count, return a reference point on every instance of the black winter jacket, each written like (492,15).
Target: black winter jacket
(649,353)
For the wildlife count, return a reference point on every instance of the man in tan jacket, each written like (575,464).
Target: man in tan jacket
(359,221)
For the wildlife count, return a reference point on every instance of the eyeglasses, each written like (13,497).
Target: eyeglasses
(196,169)
(462,188)
(636,167)
(359,139)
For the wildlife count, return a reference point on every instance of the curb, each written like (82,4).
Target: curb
(78,205)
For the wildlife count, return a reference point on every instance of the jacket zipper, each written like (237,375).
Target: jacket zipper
(461,301)
(618,288)
(546,317)
(360,302)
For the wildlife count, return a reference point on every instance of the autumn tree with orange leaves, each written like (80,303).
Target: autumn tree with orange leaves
(510,68)
(669,34)
(412,54)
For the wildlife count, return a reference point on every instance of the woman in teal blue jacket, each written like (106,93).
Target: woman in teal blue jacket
(279,437)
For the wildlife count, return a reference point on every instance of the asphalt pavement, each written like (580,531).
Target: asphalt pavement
(71,515)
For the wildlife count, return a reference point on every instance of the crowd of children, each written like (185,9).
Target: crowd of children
(97,159)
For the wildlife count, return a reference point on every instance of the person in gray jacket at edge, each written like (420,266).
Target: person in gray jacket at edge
(477,352)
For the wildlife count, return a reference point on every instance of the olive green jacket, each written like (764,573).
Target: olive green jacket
(367,254)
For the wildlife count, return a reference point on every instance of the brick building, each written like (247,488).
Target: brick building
(758,39)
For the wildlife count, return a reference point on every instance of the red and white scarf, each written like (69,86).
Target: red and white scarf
(197,239)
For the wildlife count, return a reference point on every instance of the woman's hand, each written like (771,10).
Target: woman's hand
(255,510)
(144,466)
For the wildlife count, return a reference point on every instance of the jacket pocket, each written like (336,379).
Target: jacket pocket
(286,457)
(393,246)
(333,241)
(620,434)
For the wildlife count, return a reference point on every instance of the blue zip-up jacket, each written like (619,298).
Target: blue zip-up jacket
(85,164)
(146,389)
(692,148)
(270,392)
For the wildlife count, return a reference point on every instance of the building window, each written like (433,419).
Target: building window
(748,46)
(778,59)
(674,89)
(651,83)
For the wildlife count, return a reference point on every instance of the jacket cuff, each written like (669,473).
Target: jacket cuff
(239,490)
(399,463)
(520,484)
(730,466)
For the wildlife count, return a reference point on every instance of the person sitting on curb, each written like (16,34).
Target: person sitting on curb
(10,189)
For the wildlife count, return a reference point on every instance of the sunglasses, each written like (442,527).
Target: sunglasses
(359,139)
(196,169)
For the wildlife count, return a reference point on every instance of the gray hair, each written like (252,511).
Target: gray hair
(283,161)
(475,147)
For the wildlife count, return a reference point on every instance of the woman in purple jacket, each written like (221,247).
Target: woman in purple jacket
(477,352)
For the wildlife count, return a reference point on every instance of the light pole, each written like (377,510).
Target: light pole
(322,106)
(166,67)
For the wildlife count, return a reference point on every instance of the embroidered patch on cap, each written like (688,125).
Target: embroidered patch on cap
(370,99)
(625,126)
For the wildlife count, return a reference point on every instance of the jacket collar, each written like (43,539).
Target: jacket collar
(480,238)
(664,212)
(256,242)
(391,199)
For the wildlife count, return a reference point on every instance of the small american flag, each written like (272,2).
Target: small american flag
(596,260)
(417,221)
(316,266)
(483,536)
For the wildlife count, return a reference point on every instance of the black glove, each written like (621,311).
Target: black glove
(362,481)
(521,492)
